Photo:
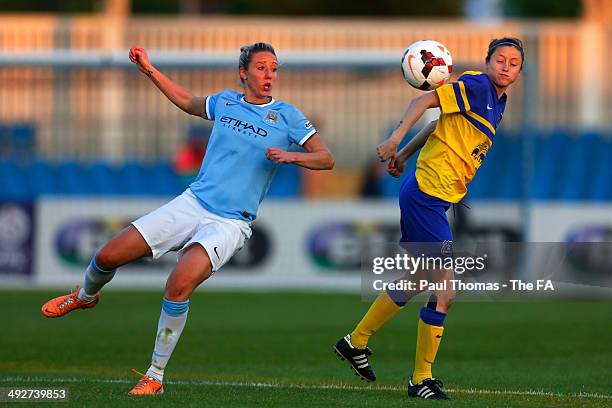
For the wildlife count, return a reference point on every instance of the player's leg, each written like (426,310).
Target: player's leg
(126,247)
(153,234)
(430,331)
(353,347)
(388,303)
(213,244)
(431,319)
(383,309)
(193,268)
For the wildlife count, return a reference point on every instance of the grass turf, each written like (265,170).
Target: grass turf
(275,349)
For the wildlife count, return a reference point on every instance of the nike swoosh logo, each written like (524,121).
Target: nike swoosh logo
(438,336)
(488,107)
(410,58)
(230,104)
(48,311)
(216,253)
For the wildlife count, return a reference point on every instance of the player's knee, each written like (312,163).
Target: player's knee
(445,300)
(179,289)
(177,294)
(107,258)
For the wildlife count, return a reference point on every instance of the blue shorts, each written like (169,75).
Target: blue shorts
(423,218)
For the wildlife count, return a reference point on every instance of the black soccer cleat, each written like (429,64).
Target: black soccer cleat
(357,358)
(428,389)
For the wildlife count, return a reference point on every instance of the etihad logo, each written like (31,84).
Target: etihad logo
(243,127)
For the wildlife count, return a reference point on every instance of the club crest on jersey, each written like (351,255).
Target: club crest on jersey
(480,152)
(307,125)
(271,117)
(447,248)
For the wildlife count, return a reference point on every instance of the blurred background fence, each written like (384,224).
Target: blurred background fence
(69,93)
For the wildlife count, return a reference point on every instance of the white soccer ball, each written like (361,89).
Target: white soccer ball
(427,65)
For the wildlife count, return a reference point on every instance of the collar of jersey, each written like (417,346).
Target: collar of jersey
(257,104)
(498,99)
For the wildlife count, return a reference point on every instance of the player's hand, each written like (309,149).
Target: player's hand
(139,57)
(396,167)
(278,155)
(386,150)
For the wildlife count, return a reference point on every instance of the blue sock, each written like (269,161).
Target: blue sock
(95,279)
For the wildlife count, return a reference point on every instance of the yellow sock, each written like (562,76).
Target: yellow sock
(381,311)
(429,335)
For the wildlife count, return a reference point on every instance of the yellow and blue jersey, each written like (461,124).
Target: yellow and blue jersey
(471,112)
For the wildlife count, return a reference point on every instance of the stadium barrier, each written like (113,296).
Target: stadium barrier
(295,244)
(566,167)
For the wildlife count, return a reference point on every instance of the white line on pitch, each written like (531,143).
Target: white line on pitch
(304,386)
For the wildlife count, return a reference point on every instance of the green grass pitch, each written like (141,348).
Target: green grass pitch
(275,350)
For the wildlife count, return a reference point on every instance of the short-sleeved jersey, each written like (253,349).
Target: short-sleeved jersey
(235,174)
(471,112)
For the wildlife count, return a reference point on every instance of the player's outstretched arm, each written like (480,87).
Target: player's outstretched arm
(317,155)
(397,164)
(194,105)
(414,110)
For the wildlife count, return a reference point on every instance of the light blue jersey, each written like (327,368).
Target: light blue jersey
(235,174)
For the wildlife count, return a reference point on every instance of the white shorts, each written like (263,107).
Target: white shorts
(183,221)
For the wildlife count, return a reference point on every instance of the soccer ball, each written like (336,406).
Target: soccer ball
(427,65)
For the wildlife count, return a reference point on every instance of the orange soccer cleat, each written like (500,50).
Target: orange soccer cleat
(62,305)
(146,386)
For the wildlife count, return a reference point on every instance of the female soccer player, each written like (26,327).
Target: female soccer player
(453,148)
(212,219)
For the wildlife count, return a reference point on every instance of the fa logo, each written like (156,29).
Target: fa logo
(480,152)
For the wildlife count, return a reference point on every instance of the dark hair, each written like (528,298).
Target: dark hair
(514,42)
(247,51)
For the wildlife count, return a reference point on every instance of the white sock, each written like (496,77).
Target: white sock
(85,297)
(169,331)
(156,373)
